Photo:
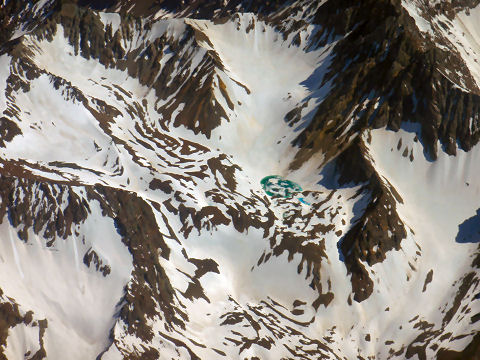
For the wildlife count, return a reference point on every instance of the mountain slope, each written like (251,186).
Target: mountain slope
(137,145)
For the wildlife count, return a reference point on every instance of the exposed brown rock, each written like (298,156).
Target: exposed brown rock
(428,280)
(378,226)
(10,316)
(393,66)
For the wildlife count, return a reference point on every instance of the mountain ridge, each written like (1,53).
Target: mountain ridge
(146,207)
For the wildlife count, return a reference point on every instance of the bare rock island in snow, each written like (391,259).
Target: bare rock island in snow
(240,179)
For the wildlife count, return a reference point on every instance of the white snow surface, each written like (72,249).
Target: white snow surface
(80,303)
(437,197)
(414,10)
(255,134)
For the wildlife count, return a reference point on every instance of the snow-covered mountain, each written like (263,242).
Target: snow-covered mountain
(240,179)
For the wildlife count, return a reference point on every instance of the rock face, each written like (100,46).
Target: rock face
(135,138)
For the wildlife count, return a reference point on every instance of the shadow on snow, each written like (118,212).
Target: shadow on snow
(469,230)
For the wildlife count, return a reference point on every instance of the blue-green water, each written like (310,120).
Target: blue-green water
(275,185)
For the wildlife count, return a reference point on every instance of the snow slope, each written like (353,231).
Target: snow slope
(173,249)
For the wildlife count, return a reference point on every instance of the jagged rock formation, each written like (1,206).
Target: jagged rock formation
(134,137)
